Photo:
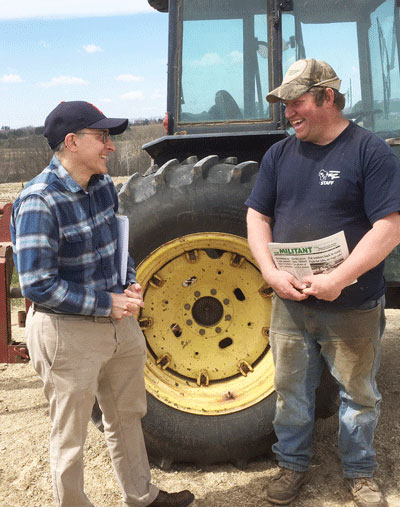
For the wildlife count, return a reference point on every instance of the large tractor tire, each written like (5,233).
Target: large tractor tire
(209,372)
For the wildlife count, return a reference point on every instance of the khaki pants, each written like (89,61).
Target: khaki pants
(79,358)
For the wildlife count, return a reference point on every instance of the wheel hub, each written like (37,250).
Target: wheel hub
(207,311)
(206,321)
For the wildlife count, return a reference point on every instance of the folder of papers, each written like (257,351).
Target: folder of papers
(123,246)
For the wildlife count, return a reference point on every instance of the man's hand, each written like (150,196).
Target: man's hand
(134,288)
(128,303)
(286,285)
(322,287)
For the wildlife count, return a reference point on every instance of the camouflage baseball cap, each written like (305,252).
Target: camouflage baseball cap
(301,77)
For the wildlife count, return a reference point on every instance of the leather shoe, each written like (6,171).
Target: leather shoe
(180,499)
(285,486)
(366,492)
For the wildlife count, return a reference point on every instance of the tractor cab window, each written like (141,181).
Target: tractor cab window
(224,65)
(361,42)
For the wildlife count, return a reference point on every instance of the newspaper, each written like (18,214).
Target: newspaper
(310,257)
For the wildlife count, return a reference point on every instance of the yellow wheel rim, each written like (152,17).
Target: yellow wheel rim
(206,321)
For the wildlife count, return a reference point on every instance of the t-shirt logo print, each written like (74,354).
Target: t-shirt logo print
(328,177)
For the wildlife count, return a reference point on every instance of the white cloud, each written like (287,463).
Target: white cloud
(43,43)
(106,100)
(137,95)
(10,78)
(64,80)
(207,60)
(157,95)
(72,9)
(236,56)
(92,48)
(129,78)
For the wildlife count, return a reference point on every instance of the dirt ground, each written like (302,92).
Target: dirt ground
(24,468)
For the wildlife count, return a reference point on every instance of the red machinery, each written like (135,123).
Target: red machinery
(10,351)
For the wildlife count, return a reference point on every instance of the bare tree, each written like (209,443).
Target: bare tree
(24,155)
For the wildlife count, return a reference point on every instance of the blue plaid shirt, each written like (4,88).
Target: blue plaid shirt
(65,242)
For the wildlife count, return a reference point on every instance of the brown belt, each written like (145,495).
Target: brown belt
(49,311)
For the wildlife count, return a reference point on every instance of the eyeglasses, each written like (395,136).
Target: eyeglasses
(105,135)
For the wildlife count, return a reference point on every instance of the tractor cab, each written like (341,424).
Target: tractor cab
(224,56)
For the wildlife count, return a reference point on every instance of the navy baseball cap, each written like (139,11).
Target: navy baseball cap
(76,115)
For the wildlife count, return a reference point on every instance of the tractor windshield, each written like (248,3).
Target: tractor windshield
(227,56)
(224,60)
(360,39)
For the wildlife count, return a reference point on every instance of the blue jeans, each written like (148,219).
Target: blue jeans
(302,338)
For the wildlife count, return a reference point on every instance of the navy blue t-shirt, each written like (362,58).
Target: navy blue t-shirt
(313,191)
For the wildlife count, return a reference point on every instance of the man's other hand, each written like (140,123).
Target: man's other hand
(286,285)
(322,286)
(128,303)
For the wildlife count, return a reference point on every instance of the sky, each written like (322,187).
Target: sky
(112,53)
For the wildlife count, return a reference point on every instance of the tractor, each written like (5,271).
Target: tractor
(209,373)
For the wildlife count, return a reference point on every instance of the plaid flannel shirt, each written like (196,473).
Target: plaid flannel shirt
(65,242)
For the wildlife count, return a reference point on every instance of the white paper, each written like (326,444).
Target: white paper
(310,257)
(123,246)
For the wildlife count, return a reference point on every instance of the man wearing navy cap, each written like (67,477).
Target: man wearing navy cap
(82,336)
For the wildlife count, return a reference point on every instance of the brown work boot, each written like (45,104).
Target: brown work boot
(366,492)
(285,486)
(181,499)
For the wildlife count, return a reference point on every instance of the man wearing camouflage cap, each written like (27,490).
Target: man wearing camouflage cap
(331,176)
